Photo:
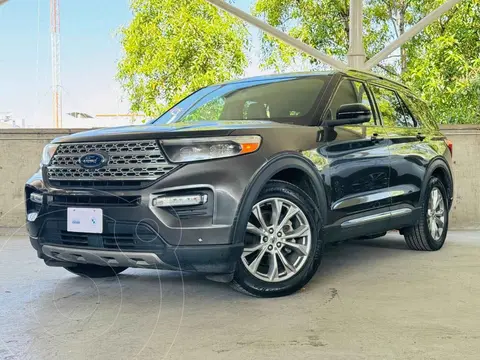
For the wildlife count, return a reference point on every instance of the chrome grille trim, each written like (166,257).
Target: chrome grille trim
(140,160)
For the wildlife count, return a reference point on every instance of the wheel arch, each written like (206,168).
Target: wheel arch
(280,167)
(439,168)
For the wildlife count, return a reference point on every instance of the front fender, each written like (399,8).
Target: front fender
(274,165)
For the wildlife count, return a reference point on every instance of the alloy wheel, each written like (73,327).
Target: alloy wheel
(436,214)
(278,240)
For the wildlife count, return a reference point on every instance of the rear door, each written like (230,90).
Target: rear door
(407,146)
(359,164)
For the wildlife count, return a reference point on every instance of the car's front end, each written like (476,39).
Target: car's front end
(128,196)
(165,198)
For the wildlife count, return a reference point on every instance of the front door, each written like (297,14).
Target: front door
(408,150)
(359,166)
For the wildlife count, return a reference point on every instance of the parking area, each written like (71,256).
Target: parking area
(371,299)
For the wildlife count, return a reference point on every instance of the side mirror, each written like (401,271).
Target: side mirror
(350,114)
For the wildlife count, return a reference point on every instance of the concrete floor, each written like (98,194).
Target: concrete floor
(370,300)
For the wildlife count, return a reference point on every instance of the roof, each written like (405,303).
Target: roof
(365,75)
(283,76)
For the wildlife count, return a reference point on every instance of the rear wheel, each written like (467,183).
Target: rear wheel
(431,231)
(95,271)
(282,244)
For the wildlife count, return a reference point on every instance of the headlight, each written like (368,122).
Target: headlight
(48,152)
(187,150)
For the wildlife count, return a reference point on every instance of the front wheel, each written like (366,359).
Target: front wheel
(431,231)
(282,243)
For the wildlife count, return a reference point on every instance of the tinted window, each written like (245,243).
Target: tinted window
(419,109)
(391,108)
(172,114)
(284,100)
(348,92)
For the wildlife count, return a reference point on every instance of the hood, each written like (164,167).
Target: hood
(150,131)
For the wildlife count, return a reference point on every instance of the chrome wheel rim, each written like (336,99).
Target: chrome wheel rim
(278,240)
(436,214)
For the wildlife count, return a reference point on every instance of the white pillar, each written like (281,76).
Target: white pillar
(356,53)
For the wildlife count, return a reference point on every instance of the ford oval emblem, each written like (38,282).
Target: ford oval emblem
(93,161)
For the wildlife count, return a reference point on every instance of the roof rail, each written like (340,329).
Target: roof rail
(366,72)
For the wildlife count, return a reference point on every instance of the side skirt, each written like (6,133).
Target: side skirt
(372,223)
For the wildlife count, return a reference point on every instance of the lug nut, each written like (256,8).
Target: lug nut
(270,247)
(265,239)
(279,234)
(270,231)
(279,244)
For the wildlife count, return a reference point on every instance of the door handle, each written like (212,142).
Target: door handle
(375,138)
(421,137)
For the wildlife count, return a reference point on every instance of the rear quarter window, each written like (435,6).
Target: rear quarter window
(420,110)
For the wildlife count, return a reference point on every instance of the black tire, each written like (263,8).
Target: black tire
(247,283)
(95,271)
(418,237)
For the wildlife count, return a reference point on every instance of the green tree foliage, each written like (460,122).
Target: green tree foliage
(174,47)
(442,63)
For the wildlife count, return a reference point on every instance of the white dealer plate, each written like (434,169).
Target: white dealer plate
(86,220)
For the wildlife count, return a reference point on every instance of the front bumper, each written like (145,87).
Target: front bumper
(134,236)
(218,259)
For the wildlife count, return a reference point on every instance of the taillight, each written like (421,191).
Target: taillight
(450,145)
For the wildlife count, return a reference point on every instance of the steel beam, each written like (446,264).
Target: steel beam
(356,53)
(287,39)
(407,35)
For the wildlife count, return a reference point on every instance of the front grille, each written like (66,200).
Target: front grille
(127,161)
(130,241)
(99,183)
(73,239)
(75,200)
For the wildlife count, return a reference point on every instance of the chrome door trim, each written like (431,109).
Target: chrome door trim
(376,217)
(372,197)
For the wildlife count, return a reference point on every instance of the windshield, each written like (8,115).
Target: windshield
(281,100)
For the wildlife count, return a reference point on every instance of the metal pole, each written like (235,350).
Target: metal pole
(356,53)
(278,34)
(55,44)
(414,30)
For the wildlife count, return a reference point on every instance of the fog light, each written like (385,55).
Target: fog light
(36,198)
(183,200)
(32,216)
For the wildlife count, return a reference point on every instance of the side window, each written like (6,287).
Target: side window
(363,97)
(349,92)
(393,111)
(419,109)
(255,111)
